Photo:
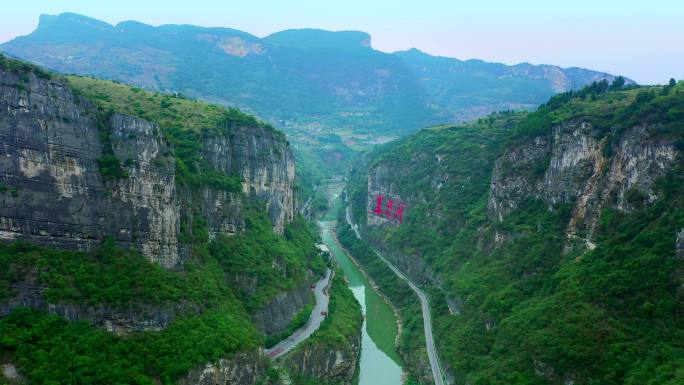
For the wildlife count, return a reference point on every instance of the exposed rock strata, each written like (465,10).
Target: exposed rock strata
(50,144)
(320,361)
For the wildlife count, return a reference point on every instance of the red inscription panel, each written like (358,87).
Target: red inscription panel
(392,210)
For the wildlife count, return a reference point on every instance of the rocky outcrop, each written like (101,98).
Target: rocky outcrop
(573,167)
(9,373)
(121,321)
(277,315)
(314,360)
(510,185)
(679,245)
(54,193)
(264,161)
(244,368)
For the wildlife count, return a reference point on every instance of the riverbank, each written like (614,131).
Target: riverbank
(379,364)
(330,355)
(414,346)
(376,288)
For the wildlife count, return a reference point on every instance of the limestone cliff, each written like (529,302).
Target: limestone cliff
(579,173)
(51,142)
(568,167)
(266,165)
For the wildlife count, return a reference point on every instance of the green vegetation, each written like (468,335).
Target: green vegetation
(166,110)
(340,327)
(22,68)
(253,254)
(108,275)
(185,123)
(110,167)
(48,350)
(533,311)
(115,277)
(309,173)
(314,164)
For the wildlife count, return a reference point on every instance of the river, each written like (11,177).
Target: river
(379,363)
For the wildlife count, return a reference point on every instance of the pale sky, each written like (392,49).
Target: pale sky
(639,39)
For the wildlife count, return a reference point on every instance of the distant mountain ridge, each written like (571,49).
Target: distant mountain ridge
(305,78)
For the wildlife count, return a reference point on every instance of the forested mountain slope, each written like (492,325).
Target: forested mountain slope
(144,236)
(552,240)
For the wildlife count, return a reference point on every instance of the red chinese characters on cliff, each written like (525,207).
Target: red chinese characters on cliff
(389,208)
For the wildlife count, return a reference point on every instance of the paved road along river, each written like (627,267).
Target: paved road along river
(424,305)
(322,299)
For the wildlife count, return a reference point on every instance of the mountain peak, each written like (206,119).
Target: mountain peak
(319,38)
(69,18)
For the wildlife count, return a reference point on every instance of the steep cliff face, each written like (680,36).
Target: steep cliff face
(317,361)
(277,315)
(50,151)
(94,175)
(52,146)
(137,317)
(266,165)
(578,172)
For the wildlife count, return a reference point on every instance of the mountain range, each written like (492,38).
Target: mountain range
(304,80)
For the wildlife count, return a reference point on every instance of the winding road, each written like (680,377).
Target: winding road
(314,322)
(424,305)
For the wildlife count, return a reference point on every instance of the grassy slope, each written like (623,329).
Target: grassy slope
(611,316)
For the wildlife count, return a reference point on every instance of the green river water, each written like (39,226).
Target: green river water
(379,363)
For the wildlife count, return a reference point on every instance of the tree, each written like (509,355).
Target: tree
(618,83)
(670,85)
(644,97)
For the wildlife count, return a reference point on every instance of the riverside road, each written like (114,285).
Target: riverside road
(424,305)
(314,322)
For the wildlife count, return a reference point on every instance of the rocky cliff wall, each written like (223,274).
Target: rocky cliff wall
(266,165)
(318,361)
(244,368)
(277,315)
(121,321)
(54,192)
(573,167)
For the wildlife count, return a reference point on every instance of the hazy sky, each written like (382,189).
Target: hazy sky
(639,39)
